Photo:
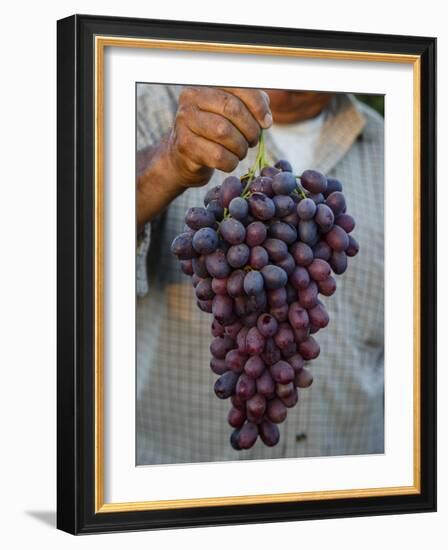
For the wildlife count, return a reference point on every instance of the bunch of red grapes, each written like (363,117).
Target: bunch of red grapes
(259,254)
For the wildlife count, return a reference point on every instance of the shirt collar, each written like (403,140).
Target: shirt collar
(343,123)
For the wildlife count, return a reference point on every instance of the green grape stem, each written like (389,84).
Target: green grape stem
(258,165)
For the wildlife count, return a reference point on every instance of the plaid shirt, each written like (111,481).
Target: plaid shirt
(179,418)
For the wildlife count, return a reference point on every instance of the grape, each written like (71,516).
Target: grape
(288,264)
(220,346)
(304,378)
(258,257)
(261,206)
(231,187)
(345,221)
(274,277)
(216,264)
(270,171)
(319,270)
(298,316)
(306,209)
(245,387)
(235,283)
(248,435)
(265,384)
(253,283)
(256,233)
(282,372)
(308,296)
(309,348)
(238,403)
(238,208)
(211,195)
(318,198)
(267,325)
(258,263)
(254,342)
(254,367)
(256,406)
(284,336)
(218,366)
(262,184)
(336,202)
(238,255)
(291,399)
(353,247)
(327,287)
(308,232)
(292,219)
(205,305)
(205,240)
(222,308)
(284,183)
(182,247)
(283,165)
(322,250)
(277,297)
(280,312)
(233,329)
(314,181)
(241,340)
(276,411)
(297,362)
(283,231)
(276,249)
(271,353)
(324,217)
(187,267)
(299,278)
(198,217)
(204,290)
(318,316)
(236,417)
(217,329)
(232,231)
(301,334)
(302,253)
(337,238)
(219,286)
(284,205)
(269,433)
(215,208)
(338,262)
(234,440)
(225,385)
(332,186)
(200,266)
(235,361)
(283,390)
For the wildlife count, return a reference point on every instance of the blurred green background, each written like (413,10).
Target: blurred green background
(374,101)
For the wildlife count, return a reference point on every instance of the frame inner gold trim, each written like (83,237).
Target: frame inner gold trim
(101,42)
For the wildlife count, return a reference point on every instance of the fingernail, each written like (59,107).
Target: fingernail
(267,121)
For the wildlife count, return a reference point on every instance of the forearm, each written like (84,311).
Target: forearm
(158,182)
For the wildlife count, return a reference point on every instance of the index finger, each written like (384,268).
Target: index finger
(257,102)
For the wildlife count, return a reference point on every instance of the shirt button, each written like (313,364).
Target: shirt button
(300,437)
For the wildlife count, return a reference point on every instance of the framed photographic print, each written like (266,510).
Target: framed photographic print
(246,274)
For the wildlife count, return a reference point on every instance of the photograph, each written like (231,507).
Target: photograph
(259,274)
(246,257)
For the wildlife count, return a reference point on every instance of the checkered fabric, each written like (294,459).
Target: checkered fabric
(179,418)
